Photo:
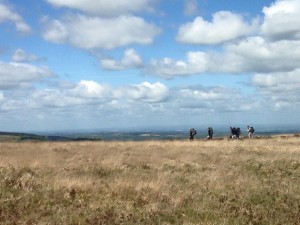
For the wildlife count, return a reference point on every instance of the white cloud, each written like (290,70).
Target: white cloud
(206,95)
(7,14)
(90,89)
(106,8)
(254,55)
(82,94)
(21,56)
(258,55)
(8,105)
(197,62)
(94,32)
(92,103)
(278,82)
(88,93)
(145,92)
(280,89)
(213,99)
(131,59)
(48,98)
(281,20)
(55,31)
(225,26)
(13,75)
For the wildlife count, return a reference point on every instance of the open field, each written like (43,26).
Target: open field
(151,182)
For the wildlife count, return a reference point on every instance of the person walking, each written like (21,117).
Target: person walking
(250,131)
(238,132)
(235,132)
(210,132)
(193,132)
(232,132)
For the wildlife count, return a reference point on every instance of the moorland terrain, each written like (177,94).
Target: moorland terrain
(248,181)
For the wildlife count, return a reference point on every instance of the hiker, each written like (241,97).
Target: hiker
(238,132)
(210,132)
(233,132)
(193,132)
(250,131)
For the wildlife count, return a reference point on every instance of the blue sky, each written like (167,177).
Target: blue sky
(85,64)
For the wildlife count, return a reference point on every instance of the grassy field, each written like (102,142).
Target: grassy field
(151,182)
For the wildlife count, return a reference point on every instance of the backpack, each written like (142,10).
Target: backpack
(251,129)
(193,131)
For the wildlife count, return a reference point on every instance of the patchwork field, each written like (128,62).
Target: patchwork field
(151,182)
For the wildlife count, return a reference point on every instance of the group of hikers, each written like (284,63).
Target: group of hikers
(234,132)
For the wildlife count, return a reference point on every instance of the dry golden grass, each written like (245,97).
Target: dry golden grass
(151,182)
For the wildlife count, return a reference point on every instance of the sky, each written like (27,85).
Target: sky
(143,64)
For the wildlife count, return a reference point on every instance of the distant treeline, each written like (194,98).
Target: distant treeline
(35,137)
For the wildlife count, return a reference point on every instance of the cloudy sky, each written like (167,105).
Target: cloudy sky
(85,64)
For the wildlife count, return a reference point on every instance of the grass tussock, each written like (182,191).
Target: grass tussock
(151,182)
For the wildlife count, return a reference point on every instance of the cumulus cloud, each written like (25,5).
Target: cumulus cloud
(278,82)
(82,94)
(281,20)
(90,89)
(225,26)
(13,75)
(155,97)
(213,99)
(145,92)
(133,98)
(253,54)
(7,14)
(55,31)
(281,89)
(196,62)
(105,8)
(92,103)
(131,59)
(88,93)
(94,32)
(21,56)
(8,105)
(48,98)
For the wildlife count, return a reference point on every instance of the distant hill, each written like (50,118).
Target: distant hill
(15,136)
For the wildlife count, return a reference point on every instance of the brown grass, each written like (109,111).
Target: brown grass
(151,182)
